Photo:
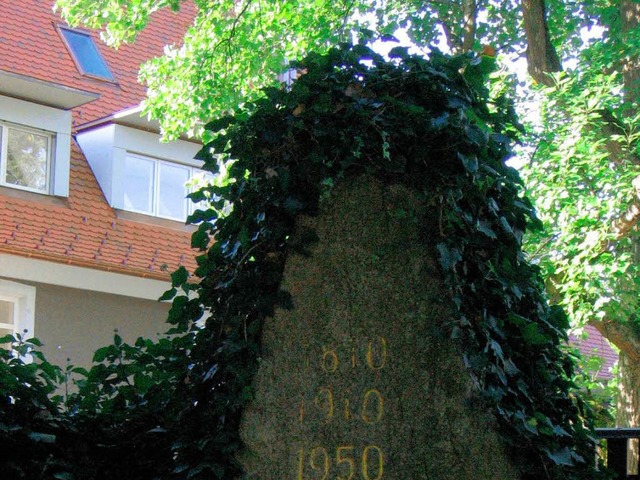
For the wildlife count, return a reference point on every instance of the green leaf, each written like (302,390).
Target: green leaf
(168,295)
(179,277)
(449,257)
(533,336)
(101,354)
(562,457)
(485,228)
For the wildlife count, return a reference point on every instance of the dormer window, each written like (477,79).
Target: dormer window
(25,157)
(156,187)
(35,146)
(139,173)
(85,53)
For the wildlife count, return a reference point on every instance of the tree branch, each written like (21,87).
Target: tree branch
(630,21)
(541,55)
(621,335)
(470,14)
(630,218)
(610,128)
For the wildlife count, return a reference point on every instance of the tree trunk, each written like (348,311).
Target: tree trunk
(628,405)
(461,38)
(469,28)
(629,21)
(624,337)
(541,56)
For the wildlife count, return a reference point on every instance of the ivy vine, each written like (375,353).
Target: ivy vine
(172,408)
(430,126)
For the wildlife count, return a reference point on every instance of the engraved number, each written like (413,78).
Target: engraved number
(319,460)
(324,401)
(344,455)
(369,397)
(329,360)
(365,463)
(379,363)
(372,463)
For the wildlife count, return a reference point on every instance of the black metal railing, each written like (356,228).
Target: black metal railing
(617,449)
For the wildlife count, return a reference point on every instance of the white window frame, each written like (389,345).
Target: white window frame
(23,298)
(4,155)
(79,60)
(155,188)
(41,119)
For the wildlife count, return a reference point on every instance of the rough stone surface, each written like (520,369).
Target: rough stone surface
(360,380)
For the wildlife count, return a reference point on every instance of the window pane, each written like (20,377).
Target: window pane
(6,321)
(172,193)
(86,53)
(27,158)
(138,184)
(6,314)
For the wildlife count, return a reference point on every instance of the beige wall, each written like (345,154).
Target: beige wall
(73,323)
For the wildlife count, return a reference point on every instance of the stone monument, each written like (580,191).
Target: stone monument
(361,379)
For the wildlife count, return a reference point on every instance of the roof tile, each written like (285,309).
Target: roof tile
(83,229)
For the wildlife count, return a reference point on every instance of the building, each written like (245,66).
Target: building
(92,205)
(593,344)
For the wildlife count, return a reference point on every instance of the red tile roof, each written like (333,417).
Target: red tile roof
(83,229)
(31,45)
(596,345)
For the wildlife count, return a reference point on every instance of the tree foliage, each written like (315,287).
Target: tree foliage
(172,409)
(236,47)
(584,173)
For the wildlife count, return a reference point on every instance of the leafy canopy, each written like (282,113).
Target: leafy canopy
(236,47)
(173,409)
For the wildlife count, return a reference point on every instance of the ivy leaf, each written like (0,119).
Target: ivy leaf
(101,354)
(561,457)
(505,225)
(533,336)
(210,373)
(485,228)
(399,52)
(470,164)
(142,382)
(448,256)
(440,121)
(200,238)
(64,476)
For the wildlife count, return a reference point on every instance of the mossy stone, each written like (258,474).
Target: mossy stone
(361,380)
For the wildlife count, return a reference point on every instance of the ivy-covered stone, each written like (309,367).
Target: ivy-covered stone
(431,127)
(360,379)
(390,177)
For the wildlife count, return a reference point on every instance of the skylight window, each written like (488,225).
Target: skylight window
(86,54)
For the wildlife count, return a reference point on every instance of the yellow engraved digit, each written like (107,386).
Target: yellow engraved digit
(325,461)
(347,411)
(344,455)
(365,462)
(353,357)
(368,398)
(325,394)
(329,360)
(383,355)
(301,414)
(300,464)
